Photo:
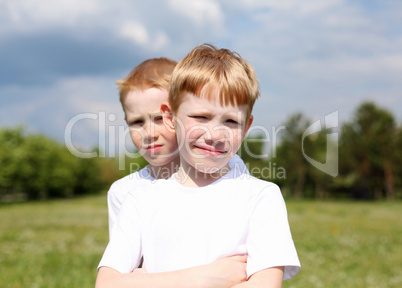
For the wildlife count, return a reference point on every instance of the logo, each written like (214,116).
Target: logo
(330,166)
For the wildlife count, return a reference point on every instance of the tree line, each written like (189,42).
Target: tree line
(35,167)
(367,161)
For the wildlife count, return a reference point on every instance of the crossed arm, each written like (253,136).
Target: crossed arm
(222,273)
(267,278)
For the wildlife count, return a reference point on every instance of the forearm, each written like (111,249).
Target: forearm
(222,273)
(268,278)
(186,278)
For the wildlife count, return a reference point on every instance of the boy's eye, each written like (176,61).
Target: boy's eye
(199,117)
(158,118)
(231,121)
(136,122)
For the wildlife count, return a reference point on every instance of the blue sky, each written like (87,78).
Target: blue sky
(60,58)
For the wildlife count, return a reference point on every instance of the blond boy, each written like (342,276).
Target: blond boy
(142,93)
(205,211)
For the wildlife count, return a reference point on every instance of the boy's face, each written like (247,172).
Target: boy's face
(143,116)
(209,134)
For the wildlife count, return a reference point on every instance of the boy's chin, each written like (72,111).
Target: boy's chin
(157,162)
(212,169)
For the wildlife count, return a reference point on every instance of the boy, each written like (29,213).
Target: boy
(142,93)
(205,211)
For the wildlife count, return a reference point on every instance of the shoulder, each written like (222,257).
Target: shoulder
(141,176)
(130,182)
(256,189)
(265,187)
(149,189)
(147,196)
(255,184)
(250,187)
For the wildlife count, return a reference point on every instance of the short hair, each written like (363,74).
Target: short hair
(207,69)
(152,73)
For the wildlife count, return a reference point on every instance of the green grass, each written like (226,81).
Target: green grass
(340,244)
(347,244)
(52,244)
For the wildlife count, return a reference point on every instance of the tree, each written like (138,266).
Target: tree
(252,153)
(369,151)
(290,157)
(11,141)
(315,147)
(398,159)
(45,168)
(40,168)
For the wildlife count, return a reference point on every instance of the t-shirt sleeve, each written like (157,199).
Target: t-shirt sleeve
(115,197)
(123,253)
(269,241)
(118,193)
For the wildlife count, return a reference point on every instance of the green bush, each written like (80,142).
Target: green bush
(42,168)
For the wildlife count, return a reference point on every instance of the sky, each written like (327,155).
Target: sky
(59,59)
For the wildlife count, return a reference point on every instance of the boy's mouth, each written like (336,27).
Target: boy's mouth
(154,148)
(210,150)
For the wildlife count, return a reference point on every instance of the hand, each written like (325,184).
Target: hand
(225,272)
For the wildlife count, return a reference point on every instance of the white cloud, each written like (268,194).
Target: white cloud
(34,14)
(56,104)
(392,63)
(305,6)
(161,40)
(96,115)
(201,12)
(337,20)
(314,6)
(135,32)
(346,69)
(138,34)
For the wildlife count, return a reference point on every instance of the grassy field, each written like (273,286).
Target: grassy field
(340,244)
(347,244)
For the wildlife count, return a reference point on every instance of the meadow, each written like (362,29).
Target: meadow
(340,244)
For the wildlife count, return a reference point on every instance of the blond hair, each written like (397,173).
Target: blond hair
(207,69)
(152,73)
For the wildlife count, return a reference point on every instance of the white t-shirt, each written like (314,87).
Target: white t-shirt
(175,227)
(120,188)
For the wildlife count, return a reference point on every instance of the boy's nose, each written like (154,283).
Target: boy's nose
(150,132)
(218,134)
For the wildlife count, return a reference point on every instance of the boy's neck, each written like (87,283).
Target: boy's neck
(164,171)
(191,177)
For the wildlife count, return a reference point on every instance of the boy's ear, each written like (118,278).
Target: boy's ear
(167,116)
(248,124)
(125,115)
